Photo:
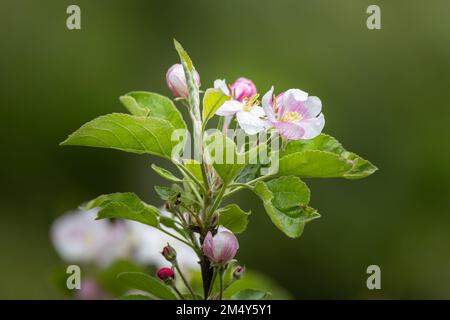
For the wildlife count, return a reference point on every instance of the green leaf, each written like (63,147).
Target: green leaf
(250,294)
(135,297)
(212,100)
(166,174)
(141,281)
(107,277)
(222,153)
(233,218)
(314,164)
(329,159)
(124,206)
(133,107)
(143,103)
(183,55)
(126,133)
(166,194)
(286,202)
(195,168)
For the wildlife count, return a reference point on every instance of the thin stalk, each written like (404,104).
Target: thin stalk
(212,282)
(216,203)
(177,291)
(175,237)
(191,176)
(222,271)
(186,283)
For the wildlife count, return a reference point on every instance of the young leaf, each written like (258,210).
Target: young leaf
(141,281)
(194,168)
(345,164)
(166,174)
(286,202)
(188,67)
(212,100)
(166,194)
(133,107)
(250,294)
(226,160)
(124,206)
(126,133)
(233,218)
(143,103)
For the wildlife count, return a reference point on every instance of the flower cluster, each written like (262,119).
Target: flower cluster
(293,114)
(197,229)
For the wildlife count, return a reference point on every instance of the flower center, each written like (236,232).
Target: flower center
(291,116)
(249,103)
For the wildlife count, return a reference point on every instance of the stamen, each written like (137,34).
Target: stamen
(291,116)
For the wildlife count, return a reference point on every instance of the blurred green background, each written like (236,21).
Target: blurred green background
(385,96)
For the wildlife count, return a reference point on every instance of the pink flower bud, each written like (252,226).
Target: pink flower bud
(243,88)
(176,81)
(238,272)
(221,248)
(166,274)
(169,253)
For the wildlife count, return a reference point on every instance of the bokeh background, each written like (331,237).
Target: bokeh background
(385,95)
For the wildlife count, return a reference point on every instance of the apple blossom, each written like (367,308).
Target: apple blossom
(176,81)
(147,243)
(79,238)
(294,115)
(221,248)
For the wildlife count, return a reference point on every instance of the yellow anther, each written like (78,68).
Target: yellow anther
(291,116)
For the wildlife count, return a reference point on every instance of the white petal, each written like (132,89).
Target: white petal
(229,108)
(250,123)
(314,106)
(296,94)
(267,104)
(313,126)
(257,111)
(222,85)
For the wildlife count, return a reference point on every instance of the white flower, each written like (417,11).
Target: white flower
(79,238)
(148,243)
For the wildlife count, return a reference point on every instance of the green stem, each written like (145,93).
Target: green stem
(175,237)
(191,176)
(186,283)
(177,291)
(212,282)
(222,271)
(216,203)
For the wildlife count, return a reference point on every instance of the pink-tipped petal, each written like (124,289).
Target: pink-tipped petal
(243,88)
(289,130)
(208,246)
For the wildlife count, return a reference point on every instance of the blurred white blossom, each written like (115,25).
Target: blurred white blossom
(79,238)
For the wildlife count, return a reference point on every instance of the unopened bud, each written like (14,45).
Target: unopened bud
(166,274)
(169,253)
(238,272)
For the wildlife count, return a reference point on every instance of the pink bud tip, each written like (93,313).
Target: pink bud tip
(176,81)
(165,274)
(243,88)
